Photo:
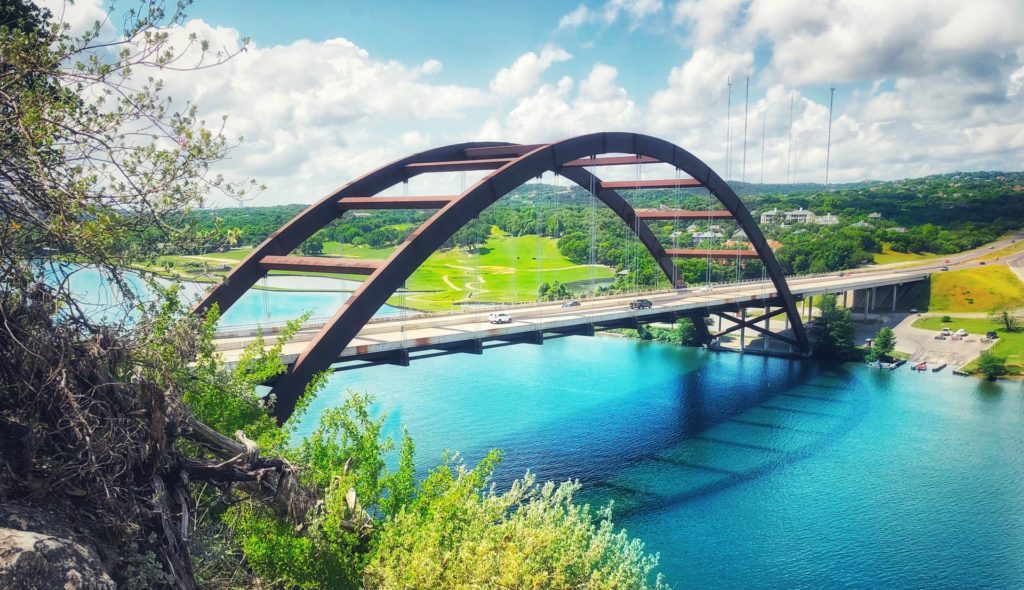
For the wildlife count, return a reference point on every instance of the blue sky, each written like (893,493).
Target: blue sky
(330,90)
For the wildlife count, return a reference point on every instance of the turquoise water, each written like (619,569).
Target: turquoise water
(742,471)
(255,306)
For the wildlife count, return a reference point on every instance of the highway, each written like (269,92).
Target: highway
(393,333)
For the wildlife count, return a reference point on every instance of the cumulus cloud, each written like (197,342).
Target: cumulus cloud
(524,74)
(610,12)
(576,18)
(925,86)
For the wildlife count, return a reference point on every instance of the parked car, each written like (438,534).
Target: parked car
(947,332)
(571,304)
(640,304)
(991,335)
(961,332)
(982,263)
(944,268)
(499,318)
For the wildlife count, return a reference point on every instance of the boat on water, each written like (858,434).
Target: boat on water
(920,366)
(899,363)
(875,364)
(938,368)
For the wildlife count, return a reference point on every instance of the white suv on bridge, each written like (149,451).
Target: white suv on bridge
(499,318)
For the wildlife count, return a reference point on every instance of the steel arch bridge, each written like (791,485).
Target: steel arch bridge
(510,165)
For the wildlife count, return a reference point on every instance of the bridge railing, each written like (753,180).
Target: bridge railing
(274,327)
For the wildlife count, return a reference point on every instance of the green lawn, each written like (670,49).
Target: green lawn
(1010,345)
(887,256)
(505,269)
(982,288)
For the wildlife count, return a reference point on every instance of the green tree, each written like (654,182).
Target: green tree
(1010,322)
(991,366)
(883,345)
(833,331)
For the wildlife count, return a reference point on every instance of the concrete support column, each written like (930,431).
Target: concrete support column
(845,293)
(810,307)
(767,325)
(894,297)
(874,298)
(743,329)
(719,323)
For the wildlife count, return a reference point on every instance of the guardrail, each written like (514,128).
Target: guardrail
(270,328)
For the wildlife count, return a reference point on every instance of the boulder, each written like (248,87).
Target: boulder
(38,551)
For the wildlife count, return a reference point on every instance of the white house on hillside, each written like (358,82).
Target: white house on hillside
(773,216)
(827,219)
(800,216)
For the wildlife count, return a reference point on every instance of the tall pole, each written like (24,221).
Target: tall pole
(728,129)
(764,115)
(746,109)
(828,147)
(789,157)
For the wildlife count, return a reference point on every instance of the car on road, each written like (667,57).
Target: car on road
(947,332)
(640,304)
(571,304)
(499,318)
(944,268)
(982,263)
(947,261)
(961,332)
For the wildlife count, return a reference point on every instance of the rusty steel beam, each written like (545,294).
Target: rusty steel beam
(667,183)
(704,253)
(671,214)
(314,218)
(347,266)
(502,151)
(610,161)
(392,203)
(456,165)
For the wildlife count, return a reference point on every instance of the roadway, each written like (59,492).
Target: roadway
(394,333)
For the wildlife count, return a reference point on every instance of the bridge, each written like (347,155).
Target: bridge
(399,340)
(354,334)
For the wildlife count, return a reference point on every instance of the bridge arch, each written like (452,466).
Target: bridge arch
(511,166)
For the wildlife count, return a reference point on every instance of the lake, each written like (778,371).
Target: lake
(741,471)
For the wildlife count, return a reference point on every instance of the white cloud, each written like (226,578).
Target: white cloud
(636,9)
(80,16)
(576,18)
(923,99)
(609,13)
(556,112)
(524,74)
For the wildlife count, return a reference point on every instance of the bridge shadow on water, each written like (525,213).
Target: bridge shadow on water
(728,420)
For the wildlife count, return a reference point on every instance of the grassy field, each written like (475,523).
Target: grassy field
(887,256)
(1010,345)
(506,269)
(983,288)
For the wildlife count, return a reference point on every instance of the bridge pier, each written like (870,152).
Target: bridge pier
(743,329)
(767,325)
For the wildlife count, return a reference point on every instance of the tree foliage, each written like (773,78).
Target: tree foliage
(882,346)
(1009,321)
(991,366)
(833,331)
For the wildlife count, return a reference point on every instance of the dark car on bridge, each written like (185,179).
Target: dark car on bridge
(571,304)
(640,304)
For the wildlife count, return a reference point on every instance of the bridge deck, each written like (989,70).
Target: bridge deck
(439,330)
